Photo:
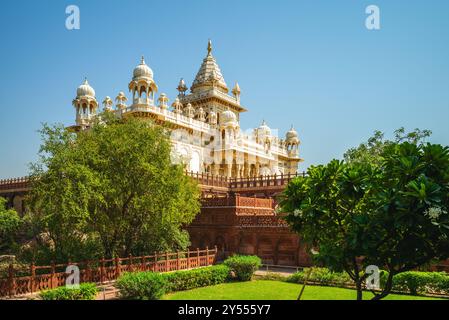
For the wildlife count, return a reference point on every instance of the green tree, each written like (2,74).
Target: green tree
(328,210)
(113,184)
(9,226)
(371,150)
(408,224)
(392,213)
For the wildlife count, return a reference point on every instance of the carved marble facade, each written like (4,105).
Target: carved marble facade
(204,123)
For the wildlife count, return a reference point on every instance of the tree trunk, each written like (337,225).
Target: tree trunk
(388,286)
(359,288)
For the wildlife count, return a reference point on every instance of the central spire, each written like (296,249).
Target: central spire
(209,47)
(209,74)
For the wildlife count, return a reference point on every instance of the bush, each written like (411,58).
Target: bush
(272,276)
(142,285)
(195,278)
(322,276)
(411,282)
(416,282)
(86,291)
(243,266)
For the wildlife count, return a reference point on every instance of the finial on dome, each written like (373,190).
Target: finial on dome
(142,60)
(209,47)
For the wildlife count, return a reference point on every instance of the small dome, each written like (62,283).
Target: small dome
(182,86)
(121,97)
(85,90)
(264,129)
(291,136)
(228,117)
(142,71)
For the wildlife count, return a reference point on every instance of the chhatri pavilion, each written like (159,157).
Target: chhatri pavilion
(204,123)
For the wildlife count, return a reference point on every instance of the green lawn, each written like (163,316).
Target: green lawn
(273,290)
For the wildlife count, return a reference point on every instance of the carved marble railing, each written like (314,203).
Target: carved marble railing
(203,179)
(235,183)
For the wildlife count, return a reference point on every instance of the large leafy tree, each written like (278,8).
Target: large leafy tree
(328,210)
(392,212)
(9,225)
(371,150)
(110,190)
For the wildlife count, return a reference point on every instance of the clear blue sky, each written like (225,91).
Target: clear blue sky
(309,63)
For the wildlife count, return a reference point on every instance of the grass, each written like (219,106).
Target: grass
(275,290)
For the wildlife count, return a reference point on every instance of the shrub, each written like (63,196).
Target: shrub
(142,285)
(273,276)
(86,291)
(195,278)
(416,282)
(321,275)
(243,266)
(411,282)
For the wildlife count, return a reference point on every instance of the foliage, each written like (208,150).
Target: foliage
(328,210)
(243,266)
(417,282)
(202,277)
(142,285)
(392,214)
(371,150)
(86,291)
(272,276)
(10,223)
(113,185)
(320,275)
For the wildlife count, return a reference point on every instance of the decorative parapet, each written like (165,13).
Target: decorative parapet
(15,183)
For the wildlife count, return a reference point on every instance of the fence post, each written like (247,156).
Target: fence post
(102,270)
(178,265)
(143,264)
(117,266)
(53,275)
(33,277)
(155,262)
(130,263)
(11,280)
(166,262)
(207,255)
(198,257)
(188,258)
(216,253)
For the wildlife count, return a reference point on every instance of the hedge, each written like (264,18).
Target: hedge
(243,267)
(195,278)
(152,286)
(321,275)
(142,285)
(410,282)
(417,282)
(86,291)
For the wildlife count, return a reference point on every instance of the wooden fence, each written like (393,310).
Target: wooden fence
(48,277)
